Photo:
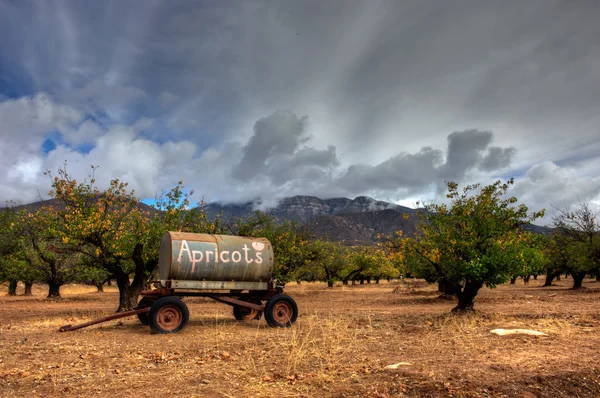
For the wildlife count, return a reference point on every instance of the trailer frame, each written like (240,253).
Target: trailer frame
(165,312)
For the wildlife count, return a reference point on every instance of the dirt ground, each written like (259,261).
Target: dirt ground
(339,347)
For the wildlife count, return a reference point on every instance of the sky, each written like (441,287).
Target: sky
(266,99)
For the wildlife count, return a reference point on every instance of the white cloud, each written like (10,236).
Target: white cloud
(379,82)
(25,121)
(546,185)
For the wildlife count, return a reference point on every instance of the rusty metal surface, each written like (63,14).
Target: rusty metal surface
(68,328)
(156,293)
(220,261)
(169,317)
(282,312)
(241,303)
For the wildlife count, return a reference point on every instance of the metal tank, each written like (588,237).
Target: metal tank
(213,262)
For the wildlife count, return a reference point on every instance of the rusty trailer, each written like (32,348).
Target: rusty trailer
(233,270)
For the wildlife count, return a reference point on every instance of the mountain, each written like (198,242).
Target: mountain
(33,207)
(304,209)
(349,221)
(362,227)
(539,229)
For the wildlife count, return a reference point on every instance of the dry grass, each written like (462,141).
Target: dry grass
(340,345)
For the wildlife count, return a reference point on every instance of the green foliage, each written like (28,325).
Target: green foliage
(102,225)
(46,251)
(478,239)
(368,262)
(13,248)
(532,256)
(575,244)
(106,227)
(328,262)
(9,245)
(292,244)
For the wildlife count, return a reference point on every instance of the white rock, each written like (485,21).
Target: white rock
(504,332)
(397,365)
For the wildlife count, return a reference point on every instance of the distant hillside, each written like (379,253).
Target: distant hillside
(304,209)
(363,227)
(32,207)
(356,228)
(538,229)
(350,221)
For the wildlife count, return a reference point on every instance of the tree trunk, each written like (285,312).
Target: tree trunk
(446,288)
(353,282)
(549,278)
(53,289)
(345,282)
(362,281)
(377,281)
(526,279)
(578,278)
(535,277)
(558,277)
(330,282)
(100,287)
(513,280)
(28,287)
(12,287)
(128,294)
(55,281)
(466,296)
(130,291)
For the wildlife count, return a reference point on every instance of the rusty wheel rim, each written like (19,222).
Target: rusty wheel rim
(249,313)
(282,312)
(169,317)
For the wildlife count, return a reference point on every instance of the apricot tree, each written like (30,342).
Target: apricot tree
(475,240)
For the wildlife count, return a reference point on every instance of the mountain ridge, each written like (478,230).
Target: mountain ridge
(349,221)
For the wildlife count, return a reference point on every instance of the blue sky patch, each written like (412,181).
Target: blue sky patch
(52,140)
(48,145)
(55,139)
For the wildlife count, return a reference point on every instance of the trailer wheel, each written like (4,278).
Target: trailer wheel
(246,314)
(144,302)
(281,311)
(168,315)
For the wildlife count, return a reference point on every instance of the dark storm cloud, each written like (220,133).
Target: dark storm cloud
(464,151)
(279,134)
(277,151)
(372,64)
(404,170)
(497,158)
(381,81)
(307,163)
(467,150)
